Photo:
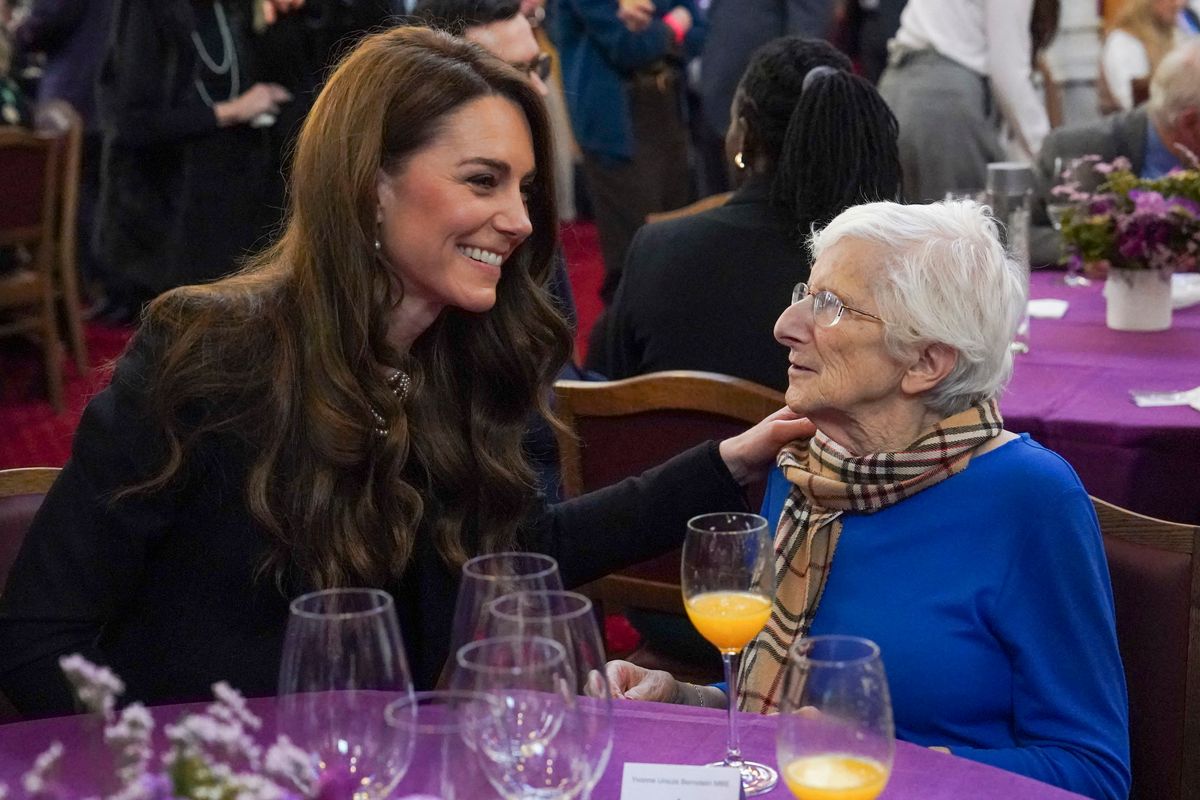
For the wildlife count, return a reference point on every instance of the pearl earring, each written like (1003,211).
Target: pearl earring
(738,161)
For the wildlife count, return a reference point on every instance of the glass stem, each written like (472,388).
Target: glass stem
(733,753)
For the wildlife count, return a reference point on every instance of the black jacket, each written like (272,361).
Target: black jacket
(704,291)
(162,587)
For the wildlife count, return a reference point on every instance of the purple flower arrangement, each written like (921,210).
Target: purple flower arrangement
(212,755)
(1131,223)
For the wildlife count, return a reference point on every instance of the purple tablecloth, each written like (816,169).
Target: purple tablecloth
(1071,393)
(645,732)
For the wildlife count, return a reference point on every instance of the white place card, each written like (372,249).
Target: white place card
(1047,308)
(680,782)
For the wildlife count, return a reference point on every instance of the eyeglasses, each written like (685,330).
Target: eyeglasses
(827,307)
(538,65)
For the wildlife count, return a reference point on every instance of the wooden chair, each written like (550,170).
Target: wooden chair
(58,119)
(622,428)
(1155,569)
(28,173)
(21,493)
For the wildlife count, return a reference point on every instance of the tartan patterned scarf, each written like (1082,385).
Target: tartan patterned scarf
(826,482)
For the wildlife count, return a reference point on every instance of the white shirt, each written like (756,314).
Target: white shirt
(1123,59)
(990,37)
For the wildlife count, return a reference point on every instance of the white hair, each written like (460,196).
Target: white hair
(945,277)
(1175,86)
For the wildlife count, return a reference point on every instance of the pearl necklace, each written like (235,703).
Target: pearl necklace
(399,383)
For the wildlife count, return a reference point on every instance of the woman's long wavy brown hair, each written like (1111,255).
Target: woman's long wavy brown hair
(284,360)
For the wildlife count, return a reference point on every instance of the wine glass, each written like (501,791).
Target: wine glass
(728,586)
(444,764)
(569,619)
(528,739)
(835,737)
(486,577)
(343,663)
(1079,174)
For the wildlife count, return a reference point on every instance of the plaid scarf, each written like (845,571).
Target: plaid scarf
(828,481)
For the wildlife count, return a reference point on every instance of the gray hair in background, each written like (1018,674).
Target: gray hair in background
(1176,83)
(944,277)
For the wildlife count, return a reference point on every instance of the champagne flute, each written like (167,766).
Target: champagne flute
(569,619)
(728,585)
(445,767)
(527,738)
(486,577)
(343,663)
(835,738)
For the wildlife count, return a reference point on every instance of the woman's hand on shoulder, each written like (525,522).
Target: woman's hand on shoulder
(750,455)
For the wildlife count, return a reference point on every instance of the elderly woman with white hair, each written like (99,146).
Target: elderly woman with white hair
(970,554)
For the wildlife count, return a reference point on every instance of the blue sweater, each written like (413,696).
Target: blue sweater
(989,597)
(598,54)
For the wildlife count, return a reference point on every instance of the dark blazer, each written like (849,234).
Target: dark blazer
(162,586)
(1120,134)
(739,27)
(704,291)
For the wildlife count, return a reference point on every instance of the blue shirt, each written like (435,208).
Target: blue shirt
(988,594)
(1159,159)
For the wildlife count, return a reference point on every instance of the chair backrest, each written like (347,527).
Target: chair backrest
(21,493)
(618,429)
(28,171)
(1155,570)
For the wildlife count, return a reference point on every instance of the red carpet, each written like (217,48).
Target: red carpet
(32,434)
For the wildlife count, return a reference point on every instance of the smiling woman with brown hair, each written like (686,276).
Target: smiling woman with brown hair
(348,410)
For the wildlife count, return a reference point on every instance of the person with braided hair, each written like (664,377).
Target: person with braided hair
(969,554)
(808,139)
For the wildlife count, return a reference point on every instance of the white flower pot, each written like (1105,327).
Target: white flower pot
(1138,299)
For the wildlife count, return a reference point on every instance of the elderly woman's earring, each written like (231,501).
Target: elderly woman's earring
(738,161)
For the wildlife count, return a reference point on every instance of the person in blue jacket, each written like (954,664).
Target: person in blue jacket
(970,555)
(623,78)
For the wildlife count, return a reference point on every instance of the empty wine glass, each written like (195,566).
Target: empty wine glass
(528,740)
(835,737)
(569,619)
(445,766)
(728,587)
(486,577)
(1079,175)
(343,663)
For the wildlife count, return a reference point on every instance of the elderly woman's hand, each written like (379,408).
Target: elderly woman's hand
(750,455)
(630,682)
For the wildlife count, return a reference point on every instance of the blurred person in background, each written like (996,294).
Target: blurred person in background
(867,27)
(808,140)
(72,35)
(1157,136)
(623,78)
(957,69)
(1140,36)
(187,186)
(736,28)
